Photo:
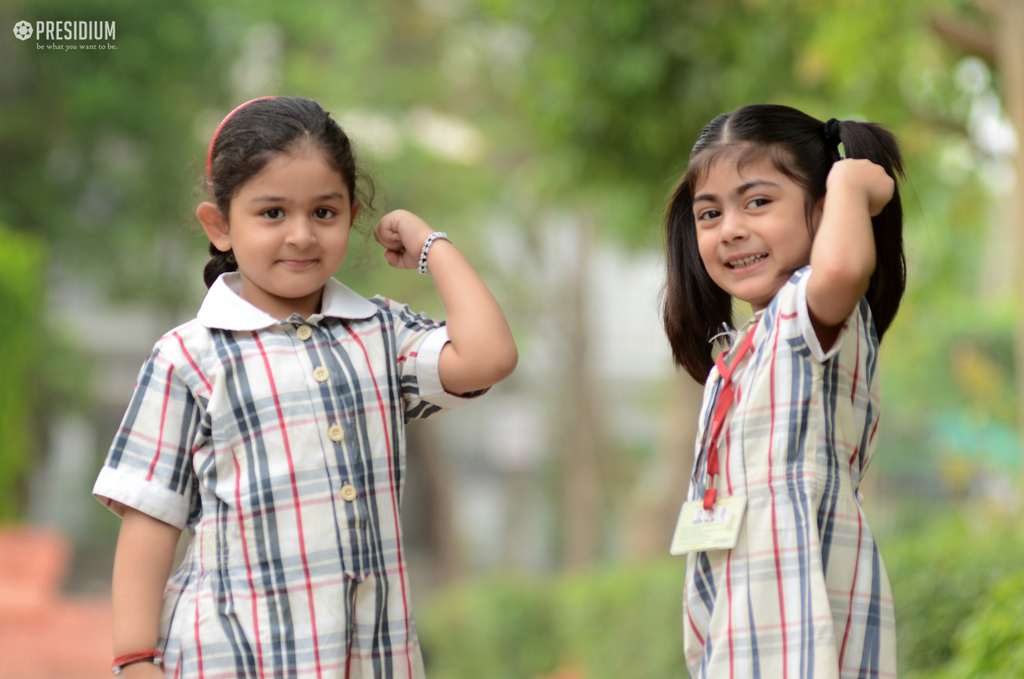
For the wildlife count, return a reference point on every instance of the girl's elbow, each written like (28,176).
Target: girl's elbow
(511,360)
(465,374)
(504,362)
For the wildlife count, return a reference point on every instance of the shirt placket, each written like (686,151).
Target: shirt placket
(325,380)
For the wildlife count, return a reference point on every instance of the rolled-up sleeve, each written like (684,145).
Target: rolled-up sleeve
(420,340)
(149,464)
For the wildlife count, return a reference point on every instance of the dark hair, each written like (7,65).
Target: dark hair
(797,144)
(250,137)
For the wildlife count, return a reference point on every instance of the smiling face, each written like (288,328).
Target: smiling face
(752,230)
(288,228)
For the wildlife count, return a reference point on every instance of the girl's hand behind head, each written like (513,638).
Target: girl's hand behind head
(865,177)
(402,235)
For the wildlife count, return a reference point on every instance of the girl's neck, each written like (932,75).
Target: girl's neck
(281,308)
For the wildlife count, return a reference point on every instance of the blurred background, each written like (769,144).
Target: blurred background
(544,138)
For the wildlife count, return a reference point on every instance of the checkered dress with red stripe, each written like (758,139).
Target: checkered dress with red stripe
(248,432)
(804,593)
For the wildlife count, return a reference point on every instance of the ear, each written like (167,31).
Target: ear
(356,206)
(215,225)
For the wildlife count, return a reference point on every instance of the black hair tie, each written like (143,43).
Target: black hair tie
(832,133)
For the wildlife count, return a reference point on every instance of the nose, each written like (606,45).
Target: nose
(734,226)
(300,233)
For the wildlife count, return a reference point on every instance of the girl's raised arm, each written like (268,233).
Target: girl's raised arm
(142,564)
(843,254)
(481,351)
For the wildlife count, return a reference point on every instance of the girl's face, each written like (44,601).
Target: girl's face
(288,228)
(752,229)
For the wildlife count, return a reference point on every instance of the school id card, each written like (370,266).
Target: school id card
(703,530)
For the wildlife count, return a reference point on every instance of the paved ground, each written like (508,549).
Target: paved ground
(44,634)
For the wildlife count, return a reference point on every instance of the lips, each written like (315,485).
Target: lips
(745,261)
(298,263)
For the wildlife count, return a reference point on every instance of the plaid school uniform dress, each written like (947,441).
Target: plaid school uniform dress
(280,446)
(804,593)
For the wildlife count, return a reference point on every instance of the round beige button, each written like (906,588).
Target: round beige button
(321,374)
(304,332)
(348,492)
(336,433)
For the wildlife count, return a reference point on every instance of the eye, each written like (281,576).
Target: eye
(760,201)
(324,213)
(708,214)
(273,213)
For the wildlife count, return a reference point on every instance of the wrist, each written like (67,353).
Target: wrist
(149,656)
(427,246)
(845,196)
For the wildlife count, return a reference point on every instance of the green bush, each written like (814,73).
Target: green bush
(504,630)
(617,624)
(22,317)
(625,622)
(991,643)
(952,622)
(941,576)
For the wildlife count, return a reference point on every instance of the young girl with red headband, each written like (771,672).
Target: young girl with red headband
(783,576)
(272,426)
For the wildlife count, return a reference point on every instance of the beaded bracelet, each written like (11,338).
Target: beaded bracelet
(122,661)
(426,248)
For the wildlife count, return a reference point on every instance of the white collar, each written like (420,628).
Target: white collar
(224,309)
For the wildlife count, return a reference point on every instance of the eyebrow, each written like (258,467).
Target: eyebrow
(280,199)
(743,188)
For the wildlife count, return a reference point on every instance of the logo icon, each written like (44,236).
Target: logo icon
(23,30)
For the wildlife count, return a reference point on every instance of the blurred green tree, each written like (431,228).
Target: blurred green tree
(597,107)
(582,107)
(22,300)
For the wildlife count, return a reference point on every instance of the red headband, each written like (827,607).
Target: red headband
(209,154)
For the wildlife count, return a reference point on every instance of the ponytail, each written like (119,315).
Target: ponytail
(220,262)
(889,280)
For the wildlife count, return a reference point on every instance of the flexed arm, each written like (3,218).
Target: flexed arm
(843,254)
(481,351)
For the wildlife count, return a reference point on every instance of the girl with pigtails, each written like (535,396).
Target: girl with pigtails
(772,213)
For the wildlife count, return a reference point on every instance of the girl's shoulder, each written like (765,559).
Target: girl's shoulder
(186,350)
(188,338)
(400,313)
(787,315)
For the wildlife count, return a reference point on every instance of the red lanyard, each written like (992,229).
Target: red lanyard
(724,403)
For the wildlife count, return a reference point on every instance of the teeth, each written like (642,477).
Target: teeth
(746,261)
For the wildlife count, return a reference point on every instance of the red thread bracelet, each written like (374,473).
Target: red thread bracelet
(123,661)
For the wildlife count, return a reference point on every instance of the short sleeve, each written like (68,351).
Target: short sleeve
(149,465)
(792,305)
(420,340)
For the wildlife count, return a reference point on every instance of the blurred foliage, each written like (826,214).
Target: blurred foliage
(22,338)
(607,625)
(584,107)
(608,103)
(956,582)
(990,644)
(942,577)
(97,145)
